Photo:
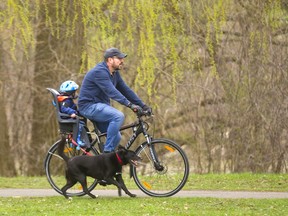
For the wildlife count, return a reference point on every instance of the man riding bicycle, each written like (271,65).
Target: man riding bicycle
(102,83)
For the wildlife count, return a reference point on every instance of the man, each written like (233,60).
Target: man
(101,84)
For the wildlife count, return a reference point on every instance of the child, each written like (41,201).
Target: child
(67,105)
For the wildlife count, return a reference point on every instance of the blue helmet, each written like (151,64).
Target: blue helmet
(68,87)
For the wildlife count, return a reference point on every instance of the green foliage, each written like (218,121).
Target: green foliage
(154,30)
(145,25)
(216,17)
(273,14)
(16,17)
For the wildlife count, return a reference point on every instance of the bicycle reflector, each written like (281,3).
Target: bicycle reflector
(169,148)
(147,185)
(66,150)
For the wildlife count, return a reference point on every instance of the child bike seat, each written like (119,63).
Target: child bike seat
(66,123)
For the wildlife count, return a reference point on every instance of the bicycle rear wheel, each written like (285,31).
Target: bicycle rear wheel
(168,178)
(55,169)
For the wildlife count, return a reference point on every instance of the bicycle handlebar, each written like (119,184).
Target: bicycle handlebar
(144,113)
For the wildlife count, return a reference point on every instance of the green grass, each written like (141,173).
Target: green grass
(141,206)
(245,181)
(239,182)
(58,205)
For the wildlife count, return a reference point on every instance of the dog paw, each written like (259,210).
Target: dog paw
(93,196)
(132,195)
(119,193)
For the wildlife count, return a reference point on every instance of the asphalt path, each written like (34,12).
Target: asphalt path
(114,193)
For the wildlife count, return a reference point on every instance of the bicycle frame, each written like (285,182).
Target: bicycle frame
(139,127)
(70,137)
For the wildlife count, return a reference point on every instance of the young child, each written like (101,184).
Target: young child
(66,100)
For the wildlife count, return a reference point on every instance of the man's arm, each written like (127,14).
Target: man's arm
(128,92)
(104,83)
(65,107)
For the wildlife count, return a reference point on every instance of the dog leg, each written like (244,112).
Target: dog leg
(69,184)
(83,183)
(114,182)
(122,185)
(119,192)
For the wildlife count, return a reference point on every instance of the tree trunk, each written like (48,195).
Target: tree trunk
(17,99)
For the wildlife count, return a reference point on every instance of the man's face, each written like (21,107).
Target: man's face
(117,63)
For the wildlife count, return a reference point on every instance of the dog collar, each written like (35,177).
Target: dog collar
(119,159)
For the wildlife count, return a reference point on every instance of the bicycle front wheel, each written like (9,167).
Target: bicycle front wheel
(55,169)
(168,176)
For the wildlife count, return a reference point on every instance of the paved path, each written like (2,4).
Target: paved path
(113,193)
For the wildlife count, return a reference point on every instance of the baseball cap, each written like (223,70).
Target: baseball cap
(114,52)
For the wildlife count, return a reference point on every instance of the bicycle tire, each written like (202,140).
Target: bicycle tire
(55,169)
(171,179)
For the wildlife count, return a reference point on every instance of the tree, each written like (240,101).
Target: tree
(17,72)
(214,71)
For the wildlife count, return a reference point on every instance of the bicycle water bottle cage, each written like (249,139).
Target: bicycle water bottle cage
(66,123)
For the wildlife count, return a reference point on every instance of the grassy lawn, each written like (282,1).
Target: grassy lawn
(239,182)
(58,205)
(141,206)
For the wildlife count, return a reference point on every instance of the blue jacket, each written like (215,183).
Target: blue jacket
(99,86)
(67,105)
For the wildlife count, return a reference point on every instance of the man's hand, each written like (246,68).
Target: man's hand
(135,108)
(147,110)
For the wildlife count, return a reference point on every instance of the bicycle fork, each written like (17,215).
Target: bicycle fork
(153,154)
(156,162)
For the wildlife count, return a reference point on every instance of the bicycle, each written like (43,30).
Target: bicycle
(163,171)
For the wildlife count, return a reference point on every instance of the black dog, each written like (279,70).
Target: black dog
(101,167)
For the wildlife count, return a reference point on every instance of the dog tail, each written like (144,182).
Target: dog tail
(60,148)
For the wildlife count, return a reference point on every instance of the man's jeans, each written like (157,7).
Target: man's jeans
(107,119)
